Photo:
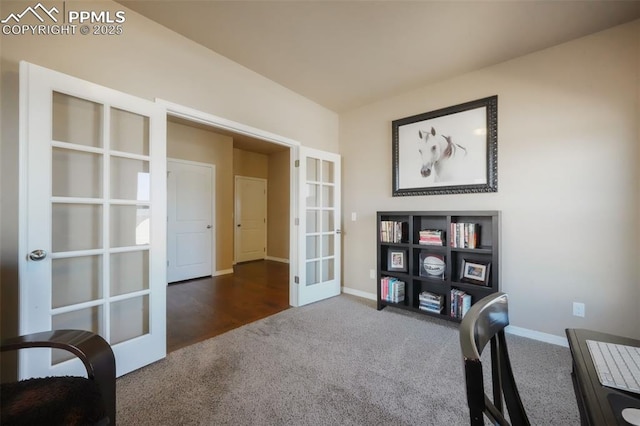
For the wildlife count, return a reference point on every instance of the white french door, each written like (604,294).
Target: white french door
(319,225)
(92,219)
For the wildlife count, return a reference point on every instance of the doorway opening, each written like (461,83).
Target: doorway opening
(235,292)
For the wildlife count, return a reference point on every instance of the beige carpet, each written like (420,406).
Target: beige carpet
(335,362)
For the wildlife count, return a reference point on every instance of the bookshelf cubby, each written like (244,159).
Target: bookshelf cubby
(454,275)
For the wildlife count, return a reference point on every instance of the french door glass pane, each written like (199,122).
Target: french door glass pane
(313,272)
(129,132)
(312,221)
(313,194)
(313,169)
(129,226)
(328,224)
(76,120)
(327,196)
(327,245)
(313,246)
(328,269)
(129,319)
(76,174)
(327,172)
(76,227)
(76,280)
(90,319)
(129,179)
(129,272)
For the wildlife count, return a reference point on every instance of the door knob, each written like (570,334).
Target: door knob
(208,226)
(37,255)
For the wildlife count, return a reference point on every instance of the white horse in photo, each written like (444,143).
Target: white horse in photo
(440,156)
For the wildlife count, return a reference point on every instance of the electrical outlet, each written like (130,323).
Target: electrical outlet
(578,309)
(372,274)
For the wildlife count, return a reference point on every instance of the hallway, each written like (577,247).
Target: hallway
(206,307)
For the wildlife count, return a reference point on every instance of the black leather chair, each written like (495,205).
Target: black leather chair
(63,400)
(484,324)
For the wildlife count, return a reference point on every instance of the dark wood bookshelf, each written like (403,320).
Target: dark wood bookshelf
(413,271)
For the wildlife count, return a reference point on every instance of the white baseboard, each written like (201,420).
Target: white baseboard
(223,272)
(359,293)
(518,331)
(277,259)
(538,335)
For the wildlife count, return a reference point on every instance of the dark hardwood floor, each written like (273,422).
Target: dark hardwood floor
(206,307)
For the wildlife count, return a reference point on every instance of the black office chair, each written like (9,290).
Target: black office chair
(485,323)
(63,400)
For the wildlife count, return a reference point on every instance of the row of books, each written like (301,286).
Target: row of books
(431,302)
(465,235)
(392,231)
(392,289)
(460,303)
(431,237)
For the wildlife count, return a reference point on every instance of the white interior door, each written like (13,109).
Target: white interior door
(250,218)
(92,219)
(189,219)
(319,231)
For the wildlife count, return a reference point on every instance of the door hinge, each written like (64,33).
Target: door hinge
(296,221)
(296,279)
(297,163)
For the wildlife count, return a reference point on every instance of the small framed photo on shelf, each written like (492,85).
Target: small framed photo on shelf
(475,272)
(432,265)
(397,260)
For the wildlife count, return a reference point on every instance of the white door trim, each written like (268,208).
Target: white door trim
(214,234)
(193,115)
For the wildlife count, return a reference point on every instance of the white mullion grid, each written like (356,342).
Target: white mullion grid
(77,147)
(106,225)
(76,200)
(322,230)
(131,156)
(94,303)
(94,252)
(76,253)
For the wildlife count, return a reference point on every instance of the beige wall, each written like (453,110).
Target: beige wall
(569,184)
(196,144)
(278,205)
(250,164)
(147,61)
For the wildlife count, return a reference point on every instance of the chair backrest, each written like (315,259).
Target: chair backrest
(484,324)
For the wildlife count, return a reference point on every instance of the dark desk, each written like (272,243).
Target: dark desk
(599,405)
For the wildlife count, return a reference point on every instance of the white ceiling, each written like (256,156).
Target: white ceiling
(345,54)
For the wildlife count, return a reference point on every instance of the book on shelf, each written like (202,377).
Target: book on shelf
(431,237)
(431,302)
(392,289)
(465,235)
(460,303)
(393,231)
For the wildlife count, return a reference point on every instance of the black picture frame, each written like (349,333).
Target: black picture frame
(453,150)
(474,271)
(397,260)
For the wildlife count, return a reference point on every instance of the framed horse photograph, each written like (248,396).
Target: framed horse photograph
(453,150)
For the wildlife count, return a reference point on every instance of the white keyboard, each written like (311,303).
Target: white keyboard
(618,366)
